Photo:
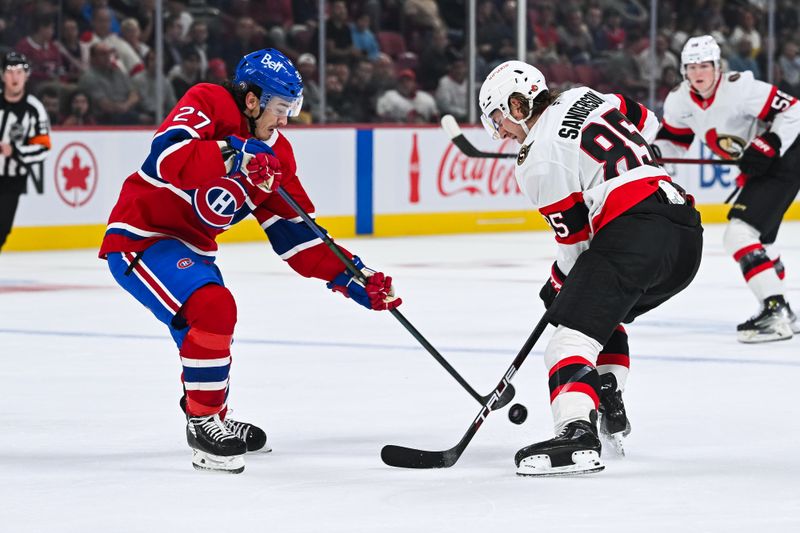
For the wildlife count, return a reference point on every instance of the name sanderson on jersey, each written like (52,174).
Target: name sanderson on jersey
(576,115)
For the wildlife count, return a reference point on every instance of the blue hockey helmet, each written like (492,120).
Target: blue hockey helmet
(280,83)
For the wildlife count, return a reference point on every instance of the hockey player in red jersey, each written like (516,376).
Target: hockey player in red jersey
(216,159)
(628,240)
(740,117)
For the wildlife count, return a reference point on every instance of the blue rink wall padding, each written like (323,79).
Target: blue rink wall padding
(364,179)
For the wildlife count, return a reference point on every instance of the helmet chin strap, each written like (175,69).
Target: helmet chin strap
(251,122)
(523,123)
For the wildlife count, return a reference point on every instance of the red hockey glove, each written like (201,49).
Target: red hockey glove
(552,286)
(264,171)
(377,294)
(760,154)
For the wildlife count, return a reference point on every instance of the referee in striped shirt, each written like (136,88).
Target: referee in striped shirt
(24,137)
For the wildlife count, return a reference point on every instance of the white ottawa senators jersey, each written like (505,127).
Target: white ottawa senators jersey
(584,163)
(740,108)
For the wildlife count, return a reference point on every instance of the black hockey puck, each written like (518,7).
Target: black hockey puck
(517,413)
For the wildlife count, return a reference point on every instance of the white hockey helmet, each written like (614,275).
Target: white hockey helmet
(699,50)
(506,79)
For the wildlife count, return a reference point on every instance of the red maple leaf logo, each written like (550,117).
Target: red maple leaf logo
(76,175)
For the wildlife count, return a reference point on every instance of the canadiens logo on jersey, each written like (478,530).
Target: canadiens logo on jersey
(222,204)
(185,263)
(724,145)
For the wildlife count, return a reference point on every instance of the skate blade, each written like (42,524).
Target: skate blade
(266,449)
(217,463)
(782,333)
(584,462)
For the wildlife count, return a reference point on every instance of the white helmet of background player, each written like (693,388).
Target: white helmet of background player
(699,50)
(506,79)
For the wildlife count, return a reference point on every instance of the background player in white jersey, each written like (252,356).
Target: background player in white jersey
(628,240)
(738,116)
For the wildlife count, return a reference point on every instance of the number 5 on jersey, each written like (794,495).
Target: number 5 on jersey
(569,219)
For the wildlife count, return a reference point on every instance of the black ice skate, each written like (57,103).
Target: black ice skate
(214,446)
(575,450)
(773,323)
(614,423)
(252,435)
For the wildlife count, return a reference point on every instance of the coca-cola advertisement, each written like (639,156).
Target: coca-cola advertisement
(420,170)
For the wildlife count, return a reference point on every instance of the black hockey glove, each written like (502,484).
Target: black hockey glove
(552,286)
(760,154)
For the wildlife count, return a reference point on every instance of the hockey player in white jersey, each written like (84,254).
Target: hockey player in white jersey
(628,239)
(740,117)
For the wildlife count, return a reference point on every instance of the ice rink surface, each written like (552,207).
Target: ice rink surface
(93,439)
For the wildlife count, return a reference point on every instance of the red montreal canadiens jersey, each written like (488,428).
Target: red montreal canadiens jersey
(586,161)
(180,192)
(738,110)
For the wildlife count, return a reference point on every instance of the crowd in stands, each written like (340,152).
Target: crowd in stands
(93,61)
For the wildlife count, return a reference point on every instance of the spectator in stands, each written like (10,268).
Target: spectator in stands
(615,33)
(545,34)
(145,84)
(363,38)
(360,92)
(790,66)
(336,100)
(126,57)
(248,36)
(338,39)
(451,95)
(172,43)
(73,9)
(746,29)
(575,40)
(50,97)
(307,67)
(664,58)
(594,25)
(305,12)
(187,73)
(742,58)
(132,34)
(89,10)
(384,76)
(80,110)
(492,34)
(406,103)
(217,73)
(434,61)
(622,70)
(198,39)
(110,89)
(277,18)
(69,47)
(145,15)
(177,9)
(41,51)
(423,15)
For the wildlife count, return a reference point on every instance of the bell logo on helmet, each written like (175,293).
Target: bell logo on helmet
(270,64)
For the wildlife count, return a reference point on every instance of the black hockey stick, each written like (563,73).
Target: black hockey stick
(733,194)
(497,402)
(403,457)
(453,130)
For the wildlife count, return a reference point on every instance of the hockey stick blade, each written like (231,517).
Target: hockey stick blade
(453,130)
(404,457)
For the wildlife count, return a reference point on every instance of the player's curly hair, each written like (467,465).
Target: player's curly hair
(540,103)
(239,92)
